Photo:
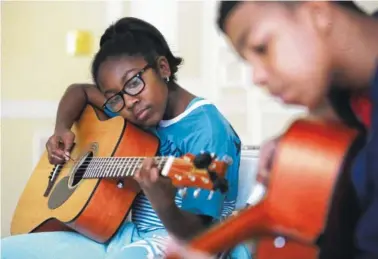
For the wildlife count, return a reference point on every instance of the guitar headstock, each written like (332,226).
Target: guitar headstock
(203,171)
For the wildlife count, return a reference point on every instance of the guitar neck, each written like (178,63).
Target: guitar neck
(247,224)
(115,167)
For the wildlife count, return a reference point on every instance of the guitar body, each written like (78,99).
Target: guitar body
(310,161)
(93,207)
(310,169)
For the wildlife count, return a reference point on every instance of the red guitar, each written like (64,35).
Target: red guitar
(308,181)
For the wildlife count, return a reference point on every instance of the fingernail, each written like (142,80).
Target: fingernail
(67,153)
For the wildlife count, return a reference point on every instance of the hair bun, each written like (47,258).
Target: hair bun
(116,31)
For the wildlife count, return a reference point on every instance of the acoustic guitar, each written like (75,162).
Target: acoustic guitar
(308,192)
(93,194)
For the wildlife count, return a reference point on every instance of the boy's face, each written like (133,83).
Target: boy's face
(286,44)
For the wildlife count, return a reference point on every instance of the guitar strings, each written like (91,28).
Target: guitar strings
(184,183)
(118,164)
(108,170)
(173,170)
(113,165)
(127,165)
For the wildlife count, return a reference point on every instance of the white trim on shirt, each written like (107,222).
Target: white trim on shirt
(166,123)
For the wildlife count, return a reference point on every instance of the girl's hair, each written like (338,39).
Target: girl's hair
(225,7)
(134,37)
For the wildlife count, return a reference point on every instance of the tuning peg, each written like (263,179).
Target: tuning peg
(210,195)
(213,176)
(192,178)
(202,161)
(227,159)
(178,177)
(196,192)
(182,192)
(205,180)
(186,158)
(221,184)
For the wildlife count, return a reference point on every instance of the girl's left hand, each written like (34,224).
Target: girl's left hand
(159,190)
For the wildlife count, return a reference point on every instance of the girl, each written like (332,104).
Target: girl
(135,77)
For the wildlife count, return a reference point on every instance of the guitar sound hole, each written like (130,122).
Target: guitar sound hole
(80,169)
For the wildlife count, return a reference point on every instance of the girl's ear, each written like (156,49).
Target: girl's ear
(163,68)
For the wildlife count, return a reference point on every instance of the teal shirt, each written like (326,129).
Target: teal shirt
(201,127)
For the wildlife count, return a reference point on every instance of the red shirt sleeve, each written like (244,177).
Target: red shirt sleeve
(362,107)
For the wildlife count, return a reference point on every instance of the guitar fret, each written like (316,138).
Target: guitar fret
(88,173)
(94,167)
(106,168)
(112,167)
(129,165)
(89,169)
(136,165)
(121,166)
(97,166)
(117,167)
(119,162)
(125,161)
(112,163)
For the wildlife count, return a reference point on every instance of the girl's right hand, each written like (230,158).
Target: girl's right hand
(59,145)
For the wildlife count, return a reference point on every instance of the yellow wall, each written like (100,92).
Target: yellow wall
(35,66)
(34,62)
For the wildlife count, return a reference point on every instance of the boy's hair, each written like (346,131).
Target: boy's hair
(134,37)
(225,7)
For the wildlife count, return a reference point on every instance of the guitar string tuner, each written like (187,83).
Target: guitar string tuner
(210,196)
(227,159)
(221,184)
(196,192)
(202,161)
(182,192)
(205,180)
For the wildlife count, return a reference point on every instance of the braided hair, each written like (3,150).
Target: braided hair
(133,37)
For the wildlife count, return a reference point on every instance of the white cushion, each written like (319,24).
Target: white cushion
(247,176)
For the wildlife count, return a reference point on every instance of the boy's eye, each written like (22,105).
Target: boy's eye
(260,49)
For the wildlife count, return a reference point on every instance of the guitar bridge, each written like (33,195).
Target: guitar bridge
(52,179)
(54,175)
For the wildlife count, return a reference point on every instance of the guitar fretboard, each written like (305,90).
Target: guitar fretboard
(114,167)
